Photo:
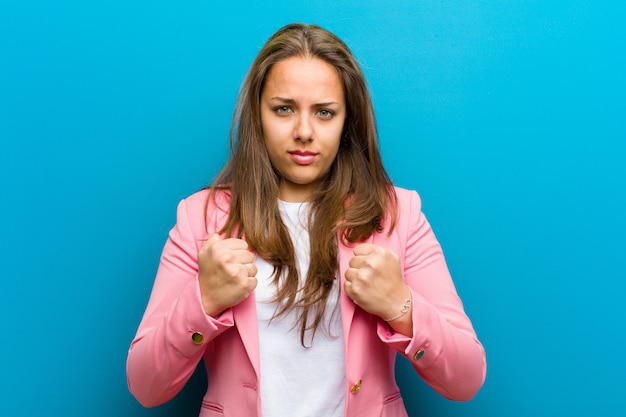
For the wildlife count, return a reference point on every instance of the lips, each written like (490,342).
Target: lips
(303,157)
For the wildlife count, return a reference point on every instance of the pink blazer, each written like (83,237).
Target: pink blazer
(175,333)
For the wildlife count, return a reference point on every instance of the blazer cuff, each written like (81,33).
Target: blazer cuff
(417,349)
(190,327)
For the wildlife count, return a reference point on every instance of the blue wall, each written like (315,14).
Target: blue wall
(507,117)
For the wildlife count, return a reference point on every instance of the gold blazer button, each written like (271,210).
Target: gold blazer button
(356,387)
(197,338)
(418,354)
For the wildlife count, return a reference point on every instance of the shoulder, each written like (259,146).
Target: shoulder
(409,202)
(197,198)
(407,211)
(203,199)
(405,193)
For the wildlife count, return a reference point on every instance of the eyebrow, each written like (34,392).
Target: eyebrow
(292,101)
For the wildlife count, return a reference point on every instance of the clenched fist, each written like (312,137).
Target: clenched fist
(374,281)
(226,273)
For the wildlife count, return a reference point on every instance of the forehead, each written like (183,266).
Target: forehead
(299,75)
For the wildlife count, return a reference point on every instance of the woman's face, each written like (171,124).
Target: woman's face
(303,112)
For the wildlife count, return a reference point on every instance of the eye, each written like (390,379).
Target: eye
(325,114)
(283,110)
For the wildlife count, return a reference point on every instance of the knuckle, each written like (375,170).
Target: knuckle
(231,269)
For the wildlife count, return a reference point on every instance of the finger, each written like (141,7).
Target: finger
(350,274)
(348,287)
(364,249)
(248,285)
(242,256)
(254,270)
(357,261)
(234,243)
(211,241)
(251,269)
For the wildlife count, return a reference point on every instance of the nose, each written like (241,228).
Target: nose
(304,129)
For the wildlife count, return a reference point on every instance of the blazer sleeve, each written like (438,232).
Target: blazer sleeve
(174,331)
(444,349)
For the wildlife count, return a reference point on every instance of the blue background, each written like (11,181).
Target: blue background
(508,117)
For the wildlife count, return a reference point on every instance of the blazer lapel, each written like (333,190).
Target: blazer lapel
(245,317)
(244,313)
(347,305)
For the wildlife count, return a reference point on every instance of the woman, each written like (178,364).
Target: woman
(302,272)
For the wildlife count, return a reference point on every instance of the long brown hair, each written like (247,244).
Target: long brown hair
(352,200)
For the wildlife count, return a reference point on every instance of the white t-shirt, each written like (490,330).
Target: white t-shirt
(298,381)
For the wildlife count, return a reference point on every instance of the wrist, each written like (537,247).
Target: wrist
(403,309)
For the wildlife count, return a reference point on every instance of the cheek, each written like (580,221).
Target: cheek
(275,132)
(272,144)
(335,153)
(337,136)
(268,125)
(269,138)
